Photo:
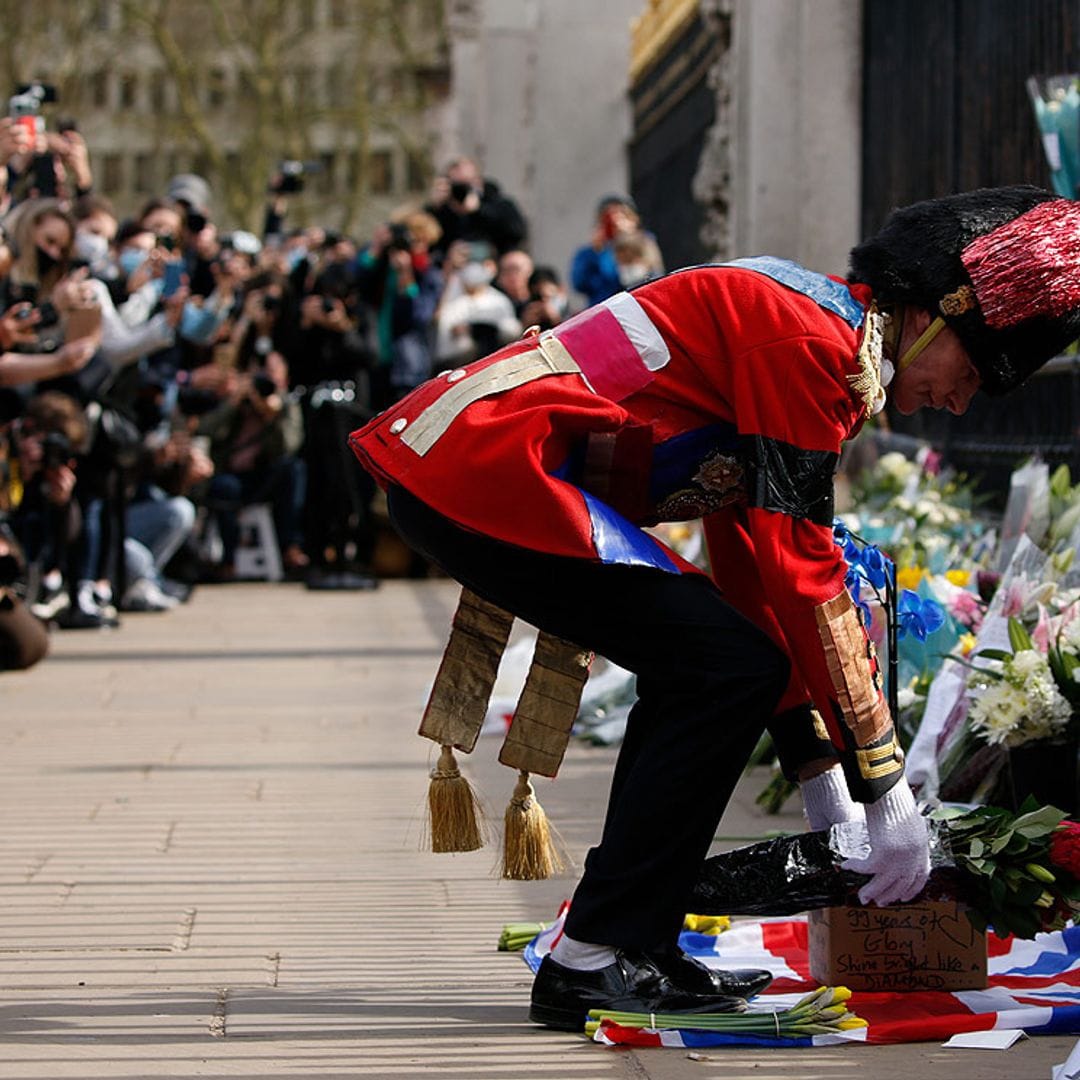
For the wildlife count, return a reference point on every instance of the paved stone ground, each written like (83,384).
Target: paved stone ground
(209,865)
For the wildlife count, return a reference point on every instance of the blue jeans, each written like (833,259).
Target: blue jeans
(282,483)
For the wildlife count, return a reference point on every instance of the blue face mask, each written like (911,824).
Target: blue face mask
(131,259)
(197,324)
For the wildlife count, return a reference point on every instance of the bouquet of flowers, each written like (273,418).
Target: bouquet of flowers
(1017,696)
(1019,873)
(1012,686)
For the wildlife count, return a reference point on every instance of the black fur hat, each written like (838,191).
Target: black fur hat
(922,257)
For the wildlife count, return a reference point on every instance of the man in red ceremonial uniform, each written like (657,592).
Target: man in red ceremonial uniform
(722,392)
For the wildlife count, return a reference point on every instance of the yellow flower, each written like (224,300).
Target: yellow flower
(908,577)
(707,924)
(967,642)
(958,577)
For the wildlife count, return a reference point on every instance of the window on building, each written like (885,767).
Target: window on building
(326,177)
(99,89)
(306,14)
(335,86)
(216,88)
(417,171)
(157,92)
(145,180)
(174,163)
(112,173)
(129,89)
(103,15)
(339,12)
(380,172)
(305,89)
(352,170)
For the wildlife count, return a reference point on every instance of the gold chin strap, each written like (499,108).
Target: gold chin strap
(920,343)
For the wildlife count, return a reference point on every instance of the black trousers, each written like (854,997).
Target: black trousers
(708,681)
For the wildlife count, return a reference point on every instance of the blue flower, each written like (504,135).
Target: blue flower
(874,565)
(917,616)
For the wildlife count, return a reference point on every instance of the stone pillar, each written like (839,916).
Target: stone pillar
(539,97)
(781,169)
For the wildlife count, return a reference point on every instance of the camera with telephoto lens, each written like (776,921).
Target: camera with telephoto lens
(460,191)
(55,450)
(262,384)
(290,180)
(400,240)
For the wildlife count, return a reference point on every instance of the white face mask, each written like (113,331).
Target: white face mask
(632,273)
(91,247)
(474,274)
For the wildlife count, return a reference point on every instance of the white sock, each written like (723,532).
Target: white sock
(580,955)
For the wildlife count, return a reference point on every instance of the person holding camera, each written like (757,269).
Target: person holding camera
(24,639)
(255,438)
(477,321)
(397,279)
(546,306)
(469,207)
(45,517)
(600,269)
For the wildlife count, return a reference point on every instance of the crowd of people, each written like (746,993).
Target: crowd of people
(158,374)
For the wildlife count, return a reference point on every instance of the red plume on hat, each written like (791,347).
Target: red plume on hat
(1001,266)
(1029,267)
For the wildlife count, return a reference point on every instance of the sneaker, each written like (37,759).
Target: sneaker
(53,597)
(146,595)
(95,598)
(178,590)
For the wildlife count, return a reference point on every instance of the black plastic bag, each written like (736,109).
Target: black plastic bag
(802,872)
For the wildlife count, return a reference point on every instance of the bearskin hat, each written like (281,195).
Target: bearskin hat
(1001,266)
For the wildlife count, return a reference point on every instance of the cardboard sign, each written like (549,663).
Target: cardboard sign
(929,945)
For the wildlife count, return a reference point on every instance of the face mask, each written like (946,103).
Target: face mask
(474,274)
(632,273)
(45,262)
(91,247)
(131,259)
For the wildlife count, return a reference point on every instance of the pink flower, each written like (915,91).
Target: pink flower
(965,608)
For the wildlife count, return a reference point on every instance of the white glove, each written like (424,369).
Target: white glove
(899,848)
(827,801)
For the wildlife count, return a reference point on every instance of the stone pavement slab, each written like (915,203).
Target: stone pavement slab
(209,865)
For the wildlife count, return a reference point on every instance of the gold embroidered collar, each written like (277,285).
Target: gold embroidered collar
(875,371)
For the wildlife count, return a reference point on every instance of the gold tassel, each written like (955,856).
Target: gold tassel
(454,808)
(529,852)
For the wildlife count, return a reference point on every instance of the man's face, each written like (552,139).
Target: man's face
(941,377)
(514,270)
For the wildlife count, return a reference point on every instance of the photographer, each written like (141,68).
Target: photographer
(44,517)
(23,638)
(469,207)
(599,268)
(255,437)
(15,143)
(546,307)
(476,322)
(396,277)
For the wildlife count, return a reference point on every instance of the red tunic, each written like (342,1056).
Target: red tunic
(573,462)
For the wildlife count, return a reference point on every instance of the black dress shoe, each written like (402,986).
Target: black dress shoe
(562,996)
(690,974)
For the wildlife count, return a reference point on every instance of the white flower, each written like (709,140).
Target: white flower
(1025,705)
(1027,663)
(895,466)
(906,697)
